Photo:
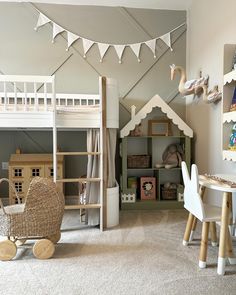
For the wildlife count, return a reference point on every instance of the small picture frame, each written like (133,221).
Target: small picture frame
(160,127)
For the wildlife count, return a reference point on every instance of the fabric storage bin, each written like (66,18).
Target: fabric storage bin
(168,193)
(139,161)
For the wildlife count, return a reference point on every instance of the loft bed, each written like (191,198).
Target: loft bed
(30,102)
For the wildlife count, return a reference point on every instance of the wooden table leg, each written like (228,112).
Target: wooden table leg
(204,244)
(188,229)
(213,234)
(223,232)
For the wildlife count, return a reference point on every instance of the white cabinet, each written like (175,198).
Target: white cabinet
(228,117)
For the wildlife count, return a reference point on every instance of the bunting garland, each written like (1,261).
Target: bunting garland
(103,47)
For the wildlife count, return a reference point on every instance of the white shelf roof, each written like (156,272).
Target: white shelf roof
(229,77)
(229,155)
(156,101)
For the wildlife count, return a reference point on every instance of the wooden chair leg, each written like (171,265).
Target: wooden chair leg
(188,229)
(213,234)
(204,243)
(194,224)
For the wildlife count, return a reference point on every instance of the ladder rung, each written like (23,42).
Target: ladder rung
(82,206)
(79,180)
(78,153)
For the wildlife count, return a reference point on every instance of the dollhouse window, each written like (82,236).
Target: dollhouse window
(18,172)
(18,187)
(35,172)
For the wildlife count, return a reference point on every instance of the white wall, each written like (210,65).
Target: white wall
(24,51)
(211,25)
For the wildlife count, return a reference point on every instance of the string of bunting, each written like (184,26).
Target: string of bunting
(103,47)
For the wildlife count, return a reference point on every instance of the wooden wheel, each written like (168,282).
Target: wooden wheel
(7,250)
(43,249)
(54,238)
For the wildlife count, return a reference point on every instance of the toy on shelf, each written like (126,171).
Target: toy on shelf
(213,95)
(172,157)
(232,139)
(233,103)
(188,87)
(137,131)
(169,191)
(148,188)
(234,62)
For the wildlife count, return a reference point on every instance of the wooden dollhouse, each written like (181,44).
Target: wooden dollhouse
(23,167)
(159,127)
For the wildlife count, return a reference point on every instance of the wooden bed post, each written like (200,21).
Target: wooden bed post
(54,132)
(103,148)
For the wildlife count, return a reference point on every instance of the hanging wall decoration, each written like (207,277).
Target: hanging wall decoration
(103,47)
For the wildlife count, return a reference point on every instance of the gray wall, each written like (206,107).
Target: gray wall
(206,39)
(24,51)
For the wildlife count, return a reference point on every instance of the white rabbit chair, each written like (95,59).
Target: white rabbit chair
(206,213)
(192,220)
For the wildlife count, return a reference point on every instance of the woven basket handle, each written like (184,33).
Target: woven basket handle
(12,187)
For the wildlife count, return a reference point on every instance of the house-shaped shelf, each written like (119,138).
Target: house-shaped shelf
(153,147)
(156,102)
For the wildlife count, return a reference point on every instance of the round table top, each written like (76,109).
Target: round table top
(217,185)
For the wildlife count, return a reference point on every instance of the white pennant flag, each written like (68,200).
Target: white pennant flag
(166,39)
(42,20)
(87,44)
(71,38)
(152,45)
(102,49)
(136,49)
(119,50)
(56,30)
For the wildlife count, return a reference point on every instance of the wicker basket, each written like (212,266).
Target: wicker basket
(139,161)
(168,193)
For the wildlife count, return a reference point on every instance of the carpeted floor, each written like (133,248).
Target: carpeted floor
(143,255)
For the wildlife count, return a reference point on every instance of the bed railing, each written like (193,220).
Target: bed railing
(36,93)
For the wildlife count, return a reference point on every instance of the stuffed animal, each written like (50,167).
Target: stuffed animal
(172,157)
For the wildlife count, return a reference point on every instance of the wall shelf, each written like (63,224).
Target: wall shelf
(228,118)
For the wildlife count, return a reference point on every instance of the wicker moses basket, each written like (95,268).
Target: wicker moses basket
(39,218)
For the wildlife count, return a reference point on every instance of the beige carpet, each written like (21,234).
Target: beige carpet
(143,255)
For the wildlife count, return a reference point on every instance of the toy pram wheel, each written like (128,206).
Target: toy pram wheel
(43,249)
(54,238)
(7,250)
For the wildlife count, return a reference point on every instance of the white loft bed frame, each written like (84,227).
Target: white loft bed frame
(33,104)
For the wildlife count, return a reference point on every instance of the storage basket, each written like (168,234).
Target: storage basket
(168,193)
(139,161)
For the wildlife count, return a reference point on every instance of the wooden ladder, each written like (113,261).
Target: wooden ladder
(102,179)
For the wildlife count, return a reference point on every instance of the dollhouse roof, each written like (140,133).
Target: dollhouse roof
(29,159)
(156,101)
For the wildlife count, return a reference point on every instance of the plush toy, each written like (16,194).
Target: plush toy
(172,157)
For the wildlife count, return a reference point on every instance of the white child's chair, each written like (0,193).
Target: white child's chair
(206,213)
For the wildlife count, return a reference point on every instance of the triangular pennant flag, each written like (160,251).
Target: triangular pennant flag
(42,20)
(87,44)
(152,45)
(71,38)
(119,50)
(56,30)
(136,49)
(102,49)
(166,39)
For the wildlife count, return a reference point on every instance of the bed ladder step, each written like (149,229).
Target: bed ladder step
(79,180)
(82,206)
(78,153)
